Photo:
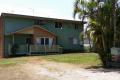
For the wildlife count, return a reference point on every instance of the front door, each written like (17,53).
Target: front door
(28,40)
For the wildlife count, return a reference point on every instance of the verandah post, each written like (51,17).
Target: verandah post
(13,40)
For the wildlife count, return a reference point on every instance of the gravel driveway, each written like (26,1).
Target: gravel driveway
(45,70)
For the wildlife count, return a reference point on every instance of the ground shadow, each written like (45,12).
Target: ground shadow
(102,69)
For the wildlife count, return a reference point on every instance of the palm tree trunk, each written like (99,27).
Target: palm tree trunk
(114,20)
(103,42)
(90,45)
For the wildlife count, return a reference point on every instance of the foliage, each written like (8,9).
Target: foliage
(12,61)
(81,36)
(101,24)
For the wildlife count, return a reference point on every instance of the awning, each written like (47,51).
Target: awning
(31,30)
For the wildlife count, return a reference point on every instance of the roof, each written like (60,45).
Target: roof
(27,30)
(37,17)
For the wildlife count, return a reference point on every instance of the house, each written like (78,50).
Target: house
(22,34)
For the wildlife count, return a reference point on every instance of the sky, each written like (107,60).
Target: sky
(62,9)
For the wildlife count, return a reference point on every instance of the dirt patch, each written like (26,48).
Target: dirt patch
(20,72)
(45,70)
(13,73)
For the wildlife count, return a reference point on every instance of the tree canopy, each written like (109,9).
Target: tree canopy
(103,24)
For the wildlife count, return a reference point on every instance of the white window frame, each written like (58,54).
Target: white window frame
(75,41)
(39,38)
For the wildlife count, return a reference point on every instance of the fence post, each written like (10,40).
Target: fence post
(9,49)
(60,50)
(45,49)
(29,50)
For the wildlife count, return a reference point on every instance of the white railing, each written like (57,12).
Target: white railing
(28,49)
(45,48)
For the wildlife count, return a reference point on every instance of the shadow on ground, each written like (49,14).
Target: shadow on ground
(101,69)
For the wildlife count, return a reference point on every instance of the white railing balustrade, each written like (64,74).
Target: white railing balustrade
(45,48)
(28,49)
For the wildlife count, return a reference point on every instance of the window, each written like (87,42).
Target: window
(58,25)
(46,41)
(76,26)
(73,41)
(43,41)
(70,40)
(39,22)
(29,40)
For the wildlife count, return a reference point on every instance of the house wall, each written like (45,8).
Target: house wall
(1,39)
(42,33)
(12,24)
(64,35)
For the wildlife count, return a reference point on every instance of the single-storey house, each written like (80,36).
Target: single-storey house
(23,34)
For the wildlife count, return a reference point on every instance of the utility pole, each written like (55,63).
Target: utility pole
(33,11)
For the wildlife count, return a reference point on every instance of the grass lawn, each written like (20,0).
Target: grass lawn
(79,58)
(12,61)
(90,59)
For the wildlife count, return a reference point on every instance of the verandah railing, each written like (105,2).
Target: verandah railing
(32,49)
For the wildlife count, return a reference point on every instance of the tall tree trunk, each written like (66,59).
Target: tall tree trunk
(90,44)
(114,20)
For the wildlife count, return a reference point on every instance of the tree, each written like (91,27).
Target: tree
(101,23)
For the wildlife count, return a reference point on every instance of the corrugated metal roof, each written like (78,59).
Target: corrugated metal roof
(37,17)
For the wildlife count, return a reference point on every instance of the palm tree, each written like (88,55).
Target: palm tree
(101,20)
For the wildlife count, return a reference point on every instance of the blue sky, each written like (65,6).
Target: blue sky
(46,8)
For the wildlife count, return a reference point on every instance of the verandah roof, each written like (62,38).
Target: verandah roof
(30,30)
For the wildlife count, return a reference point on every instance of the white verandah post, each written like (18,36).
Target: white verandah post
(13,40)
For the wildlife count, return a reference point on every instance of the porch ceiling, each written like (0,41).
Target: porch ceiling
(25,31)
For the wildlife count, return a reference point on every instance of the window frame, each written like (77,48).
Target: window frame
(72,41)
(45,40)
(59,25)
(76,26)
(39,22)
(75,41)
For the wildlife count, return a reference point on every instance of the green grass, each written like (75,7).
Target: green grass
(12,61)
(80,58)
(73,58)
